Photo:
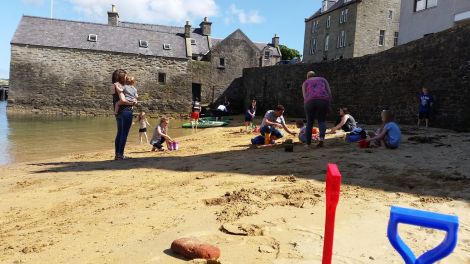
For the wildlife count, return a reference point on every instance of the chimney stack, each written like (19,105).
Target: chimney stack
(113,16)
(275,41)
(206,27)
(187,30)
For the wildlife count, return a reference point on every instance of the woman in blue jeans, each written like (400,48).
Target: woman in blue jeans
(317,99)
(124,116)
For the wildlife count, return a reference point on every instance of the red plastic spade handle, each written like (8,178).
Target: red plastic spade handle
(333,185)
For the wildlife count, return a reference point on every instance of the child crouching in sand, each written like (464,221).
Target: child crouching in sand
(160,135)
(302,135)
(389,134)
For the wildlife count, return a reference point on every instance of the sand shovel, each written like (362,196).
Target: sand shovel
(447,223)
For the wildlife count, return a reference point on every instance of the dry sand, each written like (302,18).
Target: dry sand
(85,208)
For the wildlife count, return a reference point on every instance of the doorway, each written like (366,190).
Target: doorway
(196,91)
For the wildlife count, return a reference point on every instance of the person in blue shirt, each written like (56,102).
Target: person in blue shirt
(425,104)
(389,135)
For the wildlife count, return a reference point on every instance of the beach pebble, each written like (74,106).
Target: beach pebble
(192,248)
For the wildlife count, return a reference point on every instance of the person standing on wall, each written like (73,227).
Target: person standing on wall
(426,101)
(317,100)
(124,116)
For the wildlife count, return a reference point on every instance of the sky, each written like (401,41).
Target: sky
(259,19)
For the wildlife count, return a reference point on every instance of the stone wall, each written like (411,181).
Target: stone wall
(79,81)
(373,16)
(390,79)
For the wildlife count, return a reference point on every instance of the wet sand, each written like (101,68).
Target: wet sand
(85,208)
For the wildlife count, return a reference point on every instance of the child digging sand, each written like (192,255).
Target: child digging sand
(389,134)
(160,135)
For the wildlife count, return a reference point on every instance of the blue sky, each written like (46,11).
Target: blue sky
(259,19)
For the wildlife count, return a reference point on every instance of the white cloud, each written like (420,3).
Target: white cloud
(251,17)
(33,2)
(148,11)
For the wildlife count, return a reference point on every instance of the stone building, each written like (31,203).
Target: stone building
(351,28)
(65,66)
(423,17)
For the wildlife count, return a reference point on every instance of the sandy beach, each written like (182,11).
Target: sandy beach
(86,208)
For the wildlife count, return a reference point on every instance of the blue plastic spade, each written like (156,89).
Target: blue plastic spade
(447,223)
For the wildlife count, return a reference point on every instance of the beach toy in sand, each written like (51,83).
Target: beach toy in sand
(314,131)
(289,145)
(333,184)
(173,145)
(267,138)
(447,223)
(192,248)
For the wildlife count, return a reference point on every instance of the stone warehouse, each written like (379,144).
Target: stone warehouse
(65,66)
(388,80)
(351,28)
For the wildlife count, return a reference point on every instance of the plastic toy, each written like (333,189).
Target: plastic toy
(447,223)
(333,185)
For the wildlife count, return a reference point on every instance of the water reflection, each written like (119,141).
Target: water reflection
(29,138)
(4,133)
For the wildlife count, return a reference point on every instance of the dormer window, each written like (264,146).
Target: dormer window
(143,44)
(92,37)
(166,46)
(193,42)
(267,55)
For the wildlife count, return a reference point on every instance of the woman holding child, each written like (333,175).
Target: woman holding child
(317,99)
(122,85)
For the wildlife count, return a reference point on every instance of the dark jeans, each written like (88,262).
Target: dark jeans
(159,144)
(124,123)
(271,129)
(316,109)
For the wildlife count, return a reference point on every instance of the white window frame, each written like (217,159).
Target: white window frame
(267,55)
(313,46)
(92,38)
(328,22)
(382,38)
(341,17)
(427,4)
(395,38)
(193,42)
(345,19)
(143,44)
(166,46)
(327,42)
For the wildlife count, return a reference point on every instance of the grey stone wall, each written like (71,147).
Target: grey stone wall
(79,81)
(362,28)
(390,79)
(373,17)
(238,54)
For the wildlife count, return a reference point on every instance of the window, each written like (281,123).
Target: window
(382,38)
(267,55)
(341,40)
(222,62)
(315,26)
(143,44)
(424,4)
(328,22)
(166,46)
(395,39)
(343,17)
(327,42)
(193,42)
(313,46)
(162,78)
(92,37)
(390,14)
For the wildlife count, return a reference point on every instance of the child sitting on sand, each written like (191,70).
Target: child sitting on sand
(128,94)
(389,134)
(301,126)
(160,135)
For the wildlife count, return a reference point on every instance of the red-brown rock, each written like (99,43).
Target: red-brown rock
(192,248)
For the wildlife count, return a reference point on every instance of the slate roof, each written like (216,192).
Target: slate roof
(337,5)
(124,38)
(72,34)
